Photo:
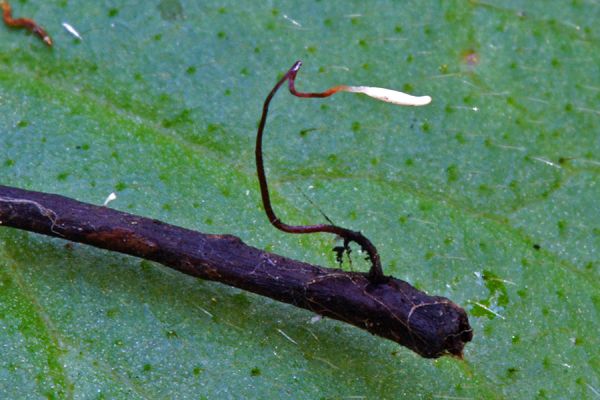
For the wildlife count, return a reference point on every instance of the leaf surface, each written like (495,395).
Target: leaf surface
(487,196)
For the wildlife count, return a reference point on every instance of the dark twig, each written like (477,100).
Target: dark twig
(429,325)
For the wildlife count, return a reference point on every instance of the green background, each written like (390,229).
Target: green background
(488,196)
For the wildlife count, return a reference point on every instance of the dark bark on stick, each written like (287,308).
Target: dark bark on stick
(429,325)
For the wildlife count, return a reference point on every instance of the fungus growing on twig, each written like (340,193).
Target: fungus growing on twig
(375,274)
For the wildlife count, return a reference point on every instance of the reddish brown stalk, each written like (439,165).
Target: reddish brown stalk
(26,23)
(375,274)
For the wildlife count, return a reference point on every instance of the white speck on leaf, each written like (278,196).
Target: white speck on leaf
(71,30)
(110,198)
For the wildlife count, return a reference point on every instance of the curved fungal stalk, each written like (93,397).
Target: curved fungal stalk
(375,274)
(26,23)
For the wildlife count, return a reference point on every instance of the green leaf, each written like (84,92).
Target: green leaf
(488,196)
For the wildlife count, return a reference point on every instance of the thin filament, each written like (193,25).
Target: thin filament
(26,23)
(391,96)
(376,272)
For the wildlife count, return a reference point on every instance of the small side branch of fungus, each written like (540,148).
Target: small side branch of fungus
(432,326)
(26,23)
(375,274)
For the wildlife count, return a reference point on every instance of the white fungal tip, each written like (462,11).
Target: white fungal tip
(110,198)
(390,96)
